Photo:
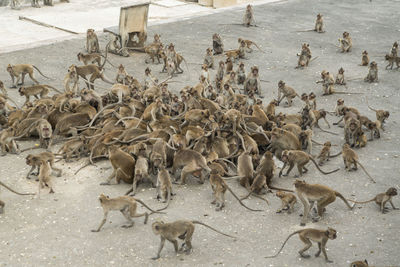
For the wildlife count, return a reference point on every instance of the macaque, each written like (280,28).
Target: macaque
(350,157)
(346,42)
(90,58)
(381,199)
(288,201)
(220,75)
(327,82)
(286,92)
(325,153)
(92,43)
(20,70)
(304,56)
(392,60)
(241,74)
(340,77)
(364,58)
(218,46)
(252,83)
(316,235)
(372,73)
(209,59)
(394,50)
(248,19)
(121,74)
(319,24)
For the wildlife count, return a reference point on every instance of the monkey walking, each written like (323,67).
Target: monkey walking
(350,157)
(316,235)
(381,199)
(181,229)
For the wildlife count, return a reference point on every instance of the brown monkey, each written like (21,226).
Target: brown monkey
(45,177)
(20,70)
(372,76)
(182,229)
(245,169)
(381,199)
(364,58)
(248,19)
(381,115)
(90,58)
(71,79)
(287,92)
(126,205)
(141,173)
(319,24)
(301,158)
(241,74)
(346,43)
(339,107)
(94,71)
(92,43)
(359,264)
(7,141)
(305,138)
(316,235)
(350,157)
(288,201)
(270,110)
(325,153)
(123,166)
(392,59)
(164,185)
(192,162)
(304,56)
(35,160)
(209,58)
(219,187)
(340,77)
(218,46)
(252,84)
(327,82)
(249,43)
(35,90)
(310,193)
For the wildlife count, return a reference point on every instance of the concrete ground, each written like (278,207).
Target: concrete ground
(55,230)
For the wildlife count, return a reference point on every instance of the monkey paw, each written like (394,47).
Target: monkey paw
(329,261)
(94,231)
(302,224)
(128,225)
(155,258)
(278,211)
(304,255)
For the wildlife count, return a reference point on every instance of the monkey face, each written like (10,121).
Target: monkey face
(331,233)
(386,114)
(103,198)
(2,104)
(281,84)
(9,68)
(392,191)
(341,70)
(29,160)
(327,144)
(21,91)
(299,183)
(285,156)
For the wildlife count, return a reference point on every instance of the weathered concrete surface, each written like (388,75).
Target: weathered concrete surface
(56,229)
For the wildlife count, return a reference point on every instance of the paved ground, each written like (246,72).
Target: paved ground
(55,230)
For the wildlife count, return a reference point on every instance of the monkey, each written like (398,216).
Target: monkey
(305,138)
(312,101)
(164,185)
(192,162)
(248,19)
(141,172)
(35,90)
(325,153)
(90,58)
(94,71)
(304,56)
(123,166)
(346,43)
(394,50)
(270,110)
(364,58)
(245,169)
(319,24)
(372,76)
(287,92)
(316,235)
(301,158)
(157,39)
(327,82)
(340,77)
(359,264)
(381,199)
(392,59)
(45,176)
(381,115)
(218,45)
(92,43)
(288,201)
(209,59)
(339,107)
(35,3)
(283,140)
(7,141)
(219,187)
(241,74)
(182,229)
(310,193)
(20,70)
(126,205)
(252,83)
(350,157)
(228,65)
(249,43)
(220,75)
(34,162)
(71,78)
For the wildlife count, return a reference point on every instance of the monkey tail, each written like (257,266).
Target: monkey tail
(198,222)
(12,190)
(84,166)
(316,165)
(344,200)
(280,189)
(326,131)
(41,72)
(337,154)
(259,48)
(55,89)
(284,243)
(105,57)
(147,207)
(370,177)
(362,202)
(240,201)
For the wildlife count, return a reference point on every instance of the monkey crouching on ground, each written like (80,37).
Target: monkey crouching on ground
(181,229)
(381,199)
(316,235)
(288,201)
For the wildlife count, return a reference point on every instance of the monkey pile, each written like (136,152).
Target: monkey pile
(217,129)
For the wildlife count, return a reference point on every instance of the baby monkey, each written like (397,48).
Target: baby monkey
(381,199)
(181,229)
(340,77)
(325,153)
(288,201)
(364,58)
(316,235)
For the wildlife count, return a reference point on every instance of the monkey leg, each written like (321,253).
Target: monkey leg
(307,208)
(160,248)
(2,204)
(102,222)
(391,203)
(290,169)
(307,246)
(291,207)
(128,214)
(321,204)
(30,171)
(49,184)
